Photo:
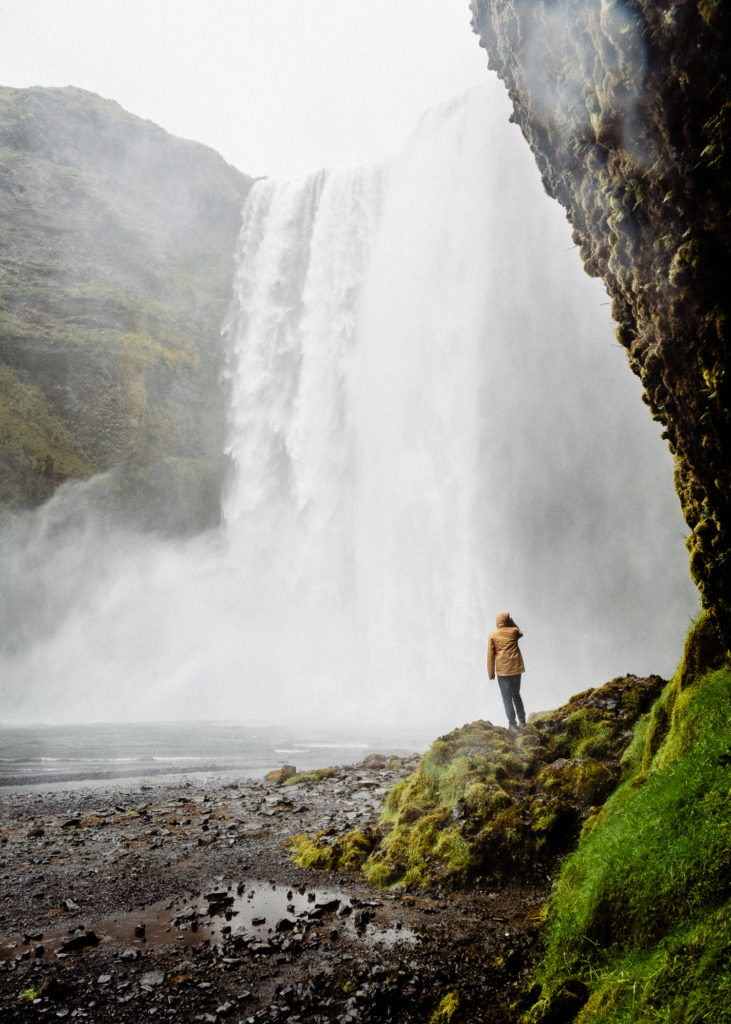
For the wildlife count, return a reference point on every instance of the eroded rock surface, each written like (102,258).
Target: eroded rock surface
(626,105)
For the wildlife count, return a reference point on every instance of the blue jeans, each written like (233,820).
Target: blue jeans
(510,692)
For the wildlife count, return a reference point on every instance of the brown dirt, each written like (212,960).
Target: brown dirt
(142,900)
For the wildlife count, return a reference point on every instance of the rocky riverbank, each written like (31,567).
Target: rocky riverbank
(178,901)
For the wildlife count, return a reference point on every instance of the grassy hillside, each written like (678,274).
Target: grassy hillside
(638,929)
(116,269)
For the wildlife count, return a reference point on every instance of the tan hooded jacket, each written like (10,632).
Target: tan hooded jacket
(503,652)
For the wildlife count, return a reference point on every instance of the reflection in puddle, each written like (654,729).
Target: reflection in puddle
(259,915)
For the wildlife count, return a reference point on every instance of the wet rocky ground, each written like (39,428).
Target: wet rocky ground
(177,900)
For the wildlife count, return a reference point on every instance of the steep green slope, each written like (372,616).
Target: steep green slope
(116,266)
(639,925)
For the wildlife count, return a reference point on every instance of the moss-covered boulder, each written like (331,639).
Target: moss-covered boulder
(626,105)
(490,805)
(116,268)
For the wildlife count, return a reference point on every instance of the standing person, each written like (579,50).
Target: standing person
(504,655)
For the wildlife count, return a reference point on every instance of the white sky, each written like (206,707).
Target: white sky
(278,87)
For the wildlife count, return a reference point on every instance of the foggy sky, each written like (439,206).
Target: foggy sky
(278,89)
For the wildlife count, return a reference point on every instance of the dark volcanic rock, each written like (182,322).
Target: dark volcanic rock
(408,962)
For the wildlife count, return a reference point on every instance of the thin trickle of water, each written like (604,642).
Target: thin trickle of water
(430,420)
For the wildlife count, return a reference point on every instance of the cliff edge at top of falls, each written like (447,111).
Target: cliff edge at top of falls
(626,105)
(116,270)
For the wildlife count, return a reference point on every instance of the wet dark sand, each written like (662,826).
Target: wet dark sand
(176,900)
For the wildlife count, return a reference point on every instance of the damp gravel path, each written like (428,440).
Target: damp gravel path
(176,900)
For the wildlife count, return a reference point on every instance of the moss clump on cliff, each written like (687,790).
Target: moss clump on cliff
(641,914)
(487,805)
(37,452)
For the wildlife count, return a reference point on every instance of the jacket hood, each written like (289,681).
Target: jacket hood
(501,619)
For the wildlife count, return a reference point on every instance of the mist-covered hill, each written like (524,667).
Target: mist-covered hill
(115,277)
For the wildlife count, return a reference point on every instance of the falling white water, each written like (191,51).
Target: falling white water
(430,421)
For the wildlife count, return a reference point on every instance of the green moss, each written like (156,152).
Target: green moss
(640,912)
(325,853)
(29,994)
(315,776)
(311,853)
(587,780)
(490,804)
(588,734)
(445,1011)
(704,650)
(36,449)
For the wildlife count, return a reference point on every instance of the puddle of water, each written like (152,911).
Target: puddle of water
(254,912)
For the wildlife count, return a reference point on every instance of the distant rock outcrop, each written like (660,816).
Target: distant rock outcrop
(116,268)
(626,105)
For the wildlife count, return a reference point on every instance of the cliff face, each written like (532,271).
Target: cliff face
(626,105)
(115,277)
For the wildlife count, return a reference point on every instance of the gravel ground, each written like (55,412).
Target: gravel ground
(176,900)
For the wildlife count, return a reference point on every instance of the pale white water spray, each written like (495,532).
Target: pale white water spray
(430,421)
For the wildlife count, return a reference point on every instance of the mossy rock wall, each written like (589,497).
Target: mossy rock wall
(116,270)
(626,105)
(487,805)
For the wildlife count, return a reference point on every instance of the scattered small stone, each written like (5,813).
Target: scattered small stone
(130,954)
(152,979)
(82,941)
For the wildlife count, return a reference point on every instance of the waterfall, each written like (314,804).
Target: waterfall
(430,421)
